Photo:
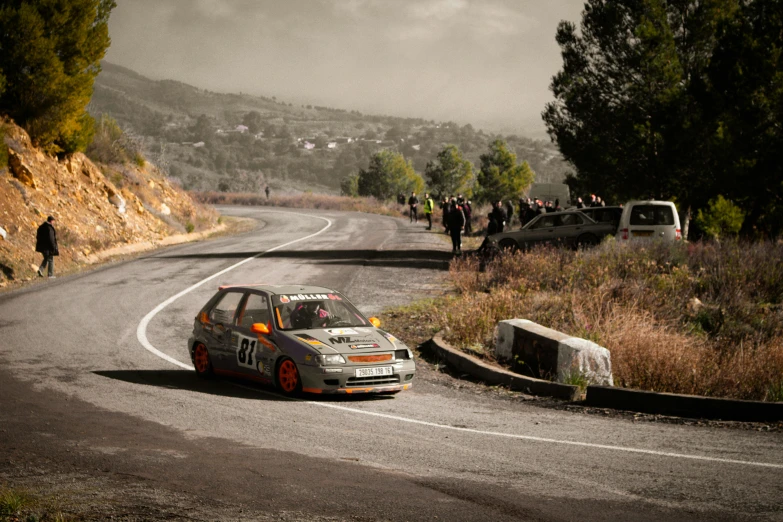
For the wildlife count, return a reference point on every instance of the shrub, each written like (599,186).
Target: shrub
(721,218)
(190,227)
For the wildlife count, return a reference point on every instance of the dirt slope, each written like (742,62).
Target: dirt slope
(96,207)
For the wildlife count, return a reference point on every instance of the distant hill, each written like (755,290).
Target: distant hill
(239,142)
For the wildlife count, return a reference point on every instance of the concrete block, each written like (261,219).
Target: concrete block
(543,353)
(585,357)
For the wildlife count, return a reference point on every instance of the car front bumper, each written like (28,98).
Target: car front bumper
(325,380)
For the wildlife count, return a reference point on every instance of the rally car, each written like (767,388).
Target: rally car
(299,339)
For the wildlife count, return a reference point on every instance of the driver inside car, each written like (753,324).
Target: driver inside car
(310,315)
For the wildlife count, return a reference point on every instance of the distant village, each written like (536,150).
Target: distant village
(306,143)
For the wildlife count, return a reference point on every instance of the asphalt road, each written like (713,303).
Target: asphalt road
(82,394)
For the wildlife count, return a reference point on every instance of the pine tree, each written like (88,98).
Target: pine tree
(500,176)
(50,52)
(387,175)
(450,173)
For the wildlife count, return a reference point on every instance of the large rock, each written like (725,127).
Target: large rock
(532,349)
(20,169)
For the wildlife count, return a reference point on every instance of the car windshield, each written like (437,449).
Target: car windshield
(308,311)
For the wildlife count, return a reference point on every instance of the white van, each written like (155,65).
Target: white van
(648,220)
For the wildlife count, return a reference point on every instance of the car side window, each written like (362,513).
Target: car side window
(545,222)
(225,309)
(570,220)
(256,310)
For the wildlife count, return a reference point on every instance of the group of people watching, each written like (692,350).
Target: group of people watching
(457,213)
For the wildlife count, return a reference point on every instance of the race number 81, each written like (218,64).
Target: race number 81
(245,353)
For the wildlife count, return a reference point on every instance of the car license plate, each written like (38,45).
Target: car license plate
(374,372)
(642,233)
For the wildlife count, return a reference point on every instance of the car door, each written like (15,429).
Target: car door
(570,227)
(254,353)
(542,231)
(222,317)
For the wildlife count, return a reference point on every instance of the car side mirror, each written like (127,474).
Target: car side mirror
(375,322)
(260,328)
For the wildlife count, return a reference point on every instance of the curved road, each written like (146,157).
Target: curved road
(93,390)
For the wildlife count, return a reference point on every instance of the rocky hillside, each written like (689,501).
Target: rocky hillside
(96,207)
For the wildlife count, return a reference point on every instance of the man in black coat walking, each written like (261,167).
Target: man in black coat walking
(46,244)
(456,219)
(413,203)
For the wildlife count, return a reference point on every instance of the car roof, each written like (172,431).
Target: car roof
(281,289)
(649,201)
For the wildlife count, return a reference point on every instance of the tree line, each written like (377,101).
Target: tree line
(676,99)
(499,176)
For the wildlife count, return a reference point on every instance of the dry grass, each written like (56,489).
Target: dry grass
(640,304)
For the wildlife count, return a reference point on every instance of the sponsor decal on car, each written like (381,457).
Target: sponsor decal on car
(363,346)
(389,336)
(306,297)
(309,339)
(342,331)
(260,367)
(333,297)
(346,340)
(364,331)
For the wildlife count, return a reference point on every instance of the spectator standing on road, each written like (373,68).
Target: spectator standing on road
(444,207)
(413,203)
(467,209)
(456,226)
(429,206)
(266,190)
(500,215)
(46,244)
(492,225)
(580,203)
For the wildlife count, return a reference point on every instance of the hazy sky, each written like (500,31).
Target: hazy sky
(484,62)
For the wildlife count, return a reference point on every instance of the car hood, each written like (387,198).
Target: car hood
(347,340)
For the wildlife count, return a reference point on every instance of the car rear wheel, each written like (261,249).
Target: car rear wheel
(509,245)
(201,361)
(586,241)
(288,377)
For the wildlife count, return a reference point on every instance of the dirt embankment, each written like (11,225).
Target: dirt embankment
(97,207)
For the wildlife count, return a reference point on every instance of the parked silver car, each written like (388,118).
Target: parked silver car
(569,228)
(298,338)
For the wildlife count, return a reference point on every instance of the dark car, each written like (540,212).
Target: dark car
(569,228)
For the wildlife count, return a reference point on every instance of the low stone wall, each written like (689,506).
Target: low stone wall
(679,405)
(543,353)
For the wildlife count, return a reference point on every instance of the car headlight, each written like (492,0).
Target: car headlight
(329,360)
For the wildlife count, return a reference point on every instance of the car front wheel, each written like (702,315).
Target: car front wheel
(288,380)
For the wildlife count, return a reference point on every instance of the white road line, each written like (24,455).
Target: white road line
(141,334)
(141,330)
(521,437)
